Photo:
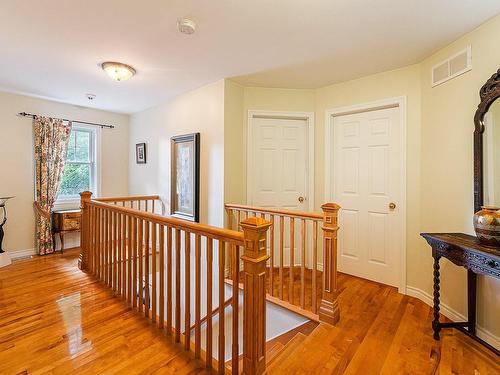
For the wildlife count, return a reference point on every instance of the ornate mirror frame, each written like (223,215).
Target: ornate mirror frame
(488,94)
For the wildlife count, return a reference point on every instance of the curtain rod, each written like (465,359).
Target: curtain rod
(25,114)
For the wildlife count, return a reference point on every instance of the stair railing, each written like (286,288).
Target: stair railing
(124,248)
(294,249)
(148,203)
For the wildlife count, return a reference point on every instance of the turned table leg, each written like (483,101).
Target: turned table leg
(471,301)
(435,323)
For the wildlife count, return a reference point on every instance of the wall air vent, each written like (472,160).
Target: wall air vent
(452,67)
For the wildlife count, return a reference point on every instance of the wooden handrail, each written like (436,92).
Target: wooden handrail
(123,247)
(227,235)
(128,199)
(294,249)
(214,313)
(275,211)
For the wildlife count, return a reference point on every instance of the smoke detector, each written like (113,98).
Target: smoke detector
(186,26)
(90,96)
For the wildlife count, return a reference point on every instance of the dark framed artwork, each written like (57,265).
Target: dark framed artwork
(185,177)
(140,153)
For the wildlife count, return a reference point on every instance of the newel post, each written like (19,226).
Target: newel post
(329,309)
(254,291)
(85,197)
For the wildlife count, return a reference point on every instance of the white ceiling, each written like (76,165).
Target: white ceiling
(53,48)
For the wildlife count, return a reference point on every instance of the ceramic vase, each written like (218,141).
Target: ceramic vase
(487,226)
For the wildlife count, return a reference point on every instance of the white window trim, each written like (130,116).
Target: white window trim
(74,202)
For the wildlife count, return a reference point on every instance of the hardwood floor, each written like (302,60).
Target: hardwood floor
(56,319)
(383,332)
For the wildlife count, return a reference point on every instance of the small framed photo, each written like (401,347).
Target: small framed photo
(140,153)
(185,177)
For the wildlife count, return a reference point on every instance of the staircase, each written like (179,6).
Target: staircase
(302,352)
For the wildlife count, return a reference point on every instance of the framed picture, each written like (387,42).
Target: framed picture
(140,153)
(185,177)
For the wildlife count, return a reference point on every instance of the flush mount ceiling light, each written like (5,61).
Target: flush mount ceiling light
(118,71)
(186,26)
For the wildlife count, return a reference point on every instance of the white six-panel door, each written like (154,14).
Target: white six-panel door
(278,169)
(367,184)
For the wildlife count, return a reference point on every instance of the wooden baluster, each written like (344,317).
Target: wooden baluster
(129,259)
(292,260)
(329,308)
(235,250)
(120,253)
(83,259)
(147,298)
(152,205)
(315,267)
(99,245)
(222,340)
(161,315)
(105,246)
(187,289)
(230,226)
(140,249)
(110,250)
(271,250)
(110,247)
(197,296)
(153,273)
(254,301)
(123,203)
(303,233)
(208,362)
(124,256)
(169,280)
(177,285)
(239,219)
(146,204)
(115,251)
(282,255)
(134,262)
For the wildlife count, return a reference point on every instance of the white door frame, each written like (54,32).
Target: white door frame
(289,115)
(399,102)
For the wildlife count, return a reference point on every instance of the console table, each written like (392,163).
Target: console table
(465,251)
(65,221)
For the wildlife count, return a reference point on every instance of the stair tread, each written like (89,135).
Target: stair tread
(289,348)
(305,347)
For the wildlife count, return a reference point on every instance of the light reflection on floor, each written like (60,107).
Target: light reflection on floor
(70,308)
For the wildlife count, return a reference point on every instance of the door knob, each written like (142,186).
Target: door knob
(301,199)
(392,205)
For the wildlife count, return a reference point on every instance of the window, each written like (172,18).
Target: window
(80,170)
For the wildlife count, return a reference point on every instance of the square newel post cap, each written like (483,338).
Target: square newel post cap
(85,195)
(330,207)
(256,224)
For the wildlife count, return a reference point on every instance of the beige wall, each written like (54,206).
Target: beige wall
(16,159)
(200,110)
(234,133)
(447,165)
(439,157)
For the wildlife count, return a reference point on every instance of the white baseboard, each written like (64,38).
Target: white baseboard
(453,315)
(17,254)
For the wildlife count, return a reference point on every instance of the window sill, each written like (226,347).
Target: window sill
(67,204)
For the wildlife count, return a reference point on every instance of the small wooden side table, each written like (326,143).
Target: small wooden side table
(464,251)
(65,221)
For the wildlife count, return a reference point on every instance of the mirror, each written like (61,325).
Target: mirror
(491,156)
(487,145)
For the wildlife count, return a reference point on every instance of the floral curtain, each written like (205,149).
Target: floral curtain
(51,143)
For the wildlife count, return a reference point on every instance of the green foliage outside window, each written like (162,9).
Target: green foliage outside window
(78,169)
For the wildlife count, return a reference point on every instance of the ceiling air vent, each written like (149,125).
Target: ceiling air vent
(452,67)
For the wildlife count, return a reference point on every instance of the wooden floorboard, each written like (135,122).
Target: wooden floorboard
(54,319)
(383,332)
